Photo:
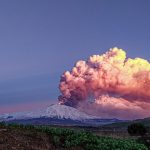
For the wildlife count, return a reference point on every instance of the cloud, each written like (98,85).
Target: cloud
(117,86)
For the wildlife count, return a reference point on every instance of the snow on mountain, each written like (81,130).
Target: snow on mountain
(53,111)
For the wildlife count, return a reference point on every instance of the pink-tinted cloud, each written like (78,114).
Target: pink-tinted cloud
(123,83)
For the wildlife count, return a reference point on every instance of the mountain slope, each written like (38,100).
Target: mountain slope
(27,137)
(56,114)
(53,111)
(124,124)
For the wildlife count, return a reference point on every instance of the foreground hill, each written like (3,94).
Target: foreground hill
(20,137)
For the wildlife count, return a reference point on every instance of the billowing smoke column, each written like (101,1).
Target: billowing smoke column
(114,85)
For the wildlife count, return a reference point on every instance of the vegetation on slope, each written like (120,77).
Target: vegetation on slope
(40,137)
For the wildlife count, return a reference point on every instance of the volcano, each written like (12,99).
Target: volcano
(55,114)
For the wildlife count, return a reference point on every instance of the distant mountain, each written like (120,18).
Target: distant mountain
(53,111)
(56,114)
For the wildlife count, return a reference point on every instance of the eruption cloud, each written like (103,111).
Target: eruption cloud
(108,85)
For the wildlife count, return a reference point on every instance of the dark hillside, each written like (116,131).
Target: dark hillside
(22,139)
(29,137)
(124,125)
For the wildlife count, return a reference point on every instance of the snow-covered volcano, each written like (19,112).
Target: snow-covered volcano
(55,114)
(53,111)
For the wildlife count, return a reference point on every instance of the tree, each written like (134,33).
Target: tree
(136,129)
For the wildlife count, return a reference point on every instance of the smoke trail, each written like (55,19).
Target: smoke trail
(116,85)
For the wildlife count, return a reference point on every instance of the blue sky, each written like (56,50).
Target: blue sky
(39,40)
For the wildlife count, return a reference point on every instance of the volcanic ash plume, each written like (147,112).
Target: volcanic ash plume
(109,85)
